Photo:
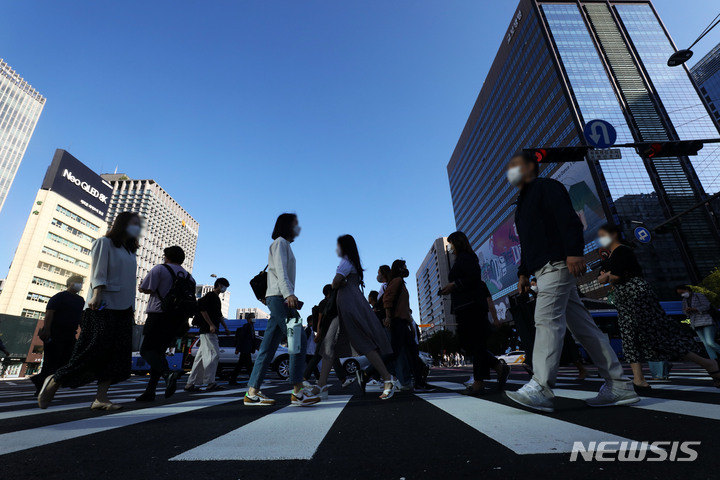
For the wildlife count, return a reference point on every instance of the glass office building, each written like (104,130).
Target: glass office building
(707,76)
(20,108)
(561,64)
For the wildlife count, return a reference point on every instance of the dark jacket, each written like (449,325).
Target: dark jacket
(396,297)
(548,227)
(245,338)
(469,286)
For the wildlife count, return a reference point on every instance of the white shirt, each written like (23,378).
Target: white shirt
(345,268)
(281,269)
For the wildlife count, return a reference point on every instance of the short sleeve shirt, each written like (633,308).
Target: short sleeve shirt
(159,281)
(67,308)
(345,268)
(211,304)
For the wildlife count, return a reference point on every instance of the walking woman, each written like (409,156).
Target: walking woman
(283,305)
(471,302)
(103,352)
(647,332)
(698,308)
(356,330)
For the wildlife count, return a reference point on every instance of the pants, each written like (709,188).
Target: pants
(559,307)
(311,367)
(659,369)
(396,363)
(274,333)
(157,337)
(244,360)
(206,363)
(707,336)
(404,348)
(473,331)
(56,354)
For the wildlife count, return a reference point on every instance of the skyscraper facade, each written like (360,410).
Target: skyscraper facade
(560,65)
(166,224)
(20,108)
(707,76)
(433,274)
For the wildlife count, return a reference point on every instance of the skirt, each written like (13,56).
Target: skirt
(103,351)
(648,334)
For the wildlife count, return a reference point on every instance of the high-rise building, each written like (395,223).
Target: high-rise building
(20,108)
(560,65)
(67,216)
(433,274)
(166,224)
(247,313)
(202,290)
(707,76)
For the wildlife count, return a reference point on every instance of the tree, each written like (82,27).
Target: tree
(442,341)
(710,287)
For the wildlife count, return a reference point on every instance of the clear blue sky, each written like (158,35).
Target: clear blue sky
(345,113)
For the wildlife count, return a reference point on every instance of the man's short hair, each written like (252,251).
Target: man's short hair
(222,281)
(373,294)
(327,289)
(74,279)
(175,254)
(529,157)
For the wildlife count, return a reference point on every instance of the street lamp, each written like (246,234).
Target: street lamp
(682,56)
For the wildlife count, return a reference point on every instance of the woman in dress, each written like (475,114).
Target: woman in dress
(648,334)
(356,330)
(471,302)
(103,351)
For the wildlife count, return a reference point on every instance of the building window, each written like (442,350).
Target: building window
(77,218)
(48,283)
(63,257)
(68,243)
(72,230)
(37,297)
(27,313)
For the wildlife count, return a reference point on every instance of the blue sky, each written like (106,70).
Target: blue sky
(345,113)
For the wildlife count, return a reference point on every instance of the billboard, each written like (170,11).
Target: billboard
(70,178)
(500,254)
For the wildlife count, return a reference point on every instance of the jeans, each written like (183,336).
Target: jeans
(659,370)
(274,333)
(558,307)
(707,336)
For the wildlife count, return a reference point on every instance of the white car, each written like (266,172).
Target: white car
(516,357)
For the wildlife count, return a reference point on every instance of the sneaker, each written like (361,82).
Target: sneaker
(213,387)
(469,381)
(258,400)
(347,382)
(303,398)
(406,388)
(171,384)
(316,390)
(610,397)
(192,388)
(503,377)
(424,388)
(535,396)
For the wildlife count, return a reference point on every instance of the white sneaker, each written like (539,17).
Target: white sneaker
(610,397)
(303,398)
(535,396)
(348,381)
(469,381)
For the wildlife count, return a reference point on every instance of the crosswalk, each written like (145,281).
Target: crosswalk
(261,434)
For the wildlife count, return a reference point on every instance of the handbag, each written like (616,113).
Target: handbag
(259,284)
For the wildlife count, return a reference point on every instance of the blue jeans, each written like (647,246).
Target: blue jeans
(660,369)
(274,333)
(707,336)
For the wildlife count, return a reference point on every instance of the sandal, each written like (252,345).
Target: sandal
(389,392)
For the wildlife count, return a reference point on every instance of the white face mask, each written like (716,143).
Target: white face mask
(76,287)
(133,231)
(685,295)
(379,278)
(339,252)
(296,230)
(534,288)
(605,241)
(514,176)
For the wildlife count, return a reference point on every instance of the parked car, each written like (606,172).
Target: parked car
(516,357)
(353,364)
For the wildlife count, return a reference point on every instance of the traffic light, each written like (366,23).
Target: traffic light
(559,154)
(670,149)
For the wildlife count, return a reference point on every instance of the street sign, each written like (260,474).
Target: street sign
(600,134)
(605,154)
(642,235)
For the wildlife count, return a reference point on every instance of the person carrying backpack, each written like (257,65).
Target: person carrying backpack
(172,303)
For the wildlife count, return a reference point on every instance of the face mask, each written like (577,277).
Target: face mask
(534,288)
(296,230)
(339,252)
(605,241)
(77,286)
(514,176)
(133,231)
(685,295)
(379,278)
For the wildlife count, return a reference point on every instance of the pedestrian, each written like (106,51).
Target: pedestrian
(355,330)
(373,298)
(208,320)
(398,318)
(698,308)
(647,333)
(244,347)
(62,319)
(162,327)
(552,246)
(283,305)
(3,349)
(103,351)
(470,303)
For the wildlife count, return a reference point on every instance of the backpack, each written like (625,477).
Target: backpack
(259,284)
(180,302)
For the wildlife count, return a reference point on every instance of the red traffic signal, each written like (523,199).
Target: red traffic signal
(558,154)
(670,149)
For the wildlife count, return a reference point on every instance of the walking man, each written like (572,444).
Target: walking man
(62,319)
(245,346)
(208,321)
(552,245)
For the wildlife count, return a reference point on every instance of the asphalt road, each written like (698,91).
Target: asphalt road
(441,435)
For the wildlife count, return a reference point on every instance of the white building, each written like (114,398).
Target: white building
(166,224)
(20,108)
(246,313)
(201,290)
(433,274)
